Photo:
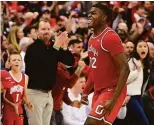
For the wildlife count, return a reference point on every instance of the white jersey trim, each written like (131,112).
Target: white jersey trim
(104,36)
(15,78)
(100,33)
(103,118)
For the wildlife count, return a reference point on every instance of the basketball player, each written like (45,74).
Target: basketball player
(109,69)
(14,92)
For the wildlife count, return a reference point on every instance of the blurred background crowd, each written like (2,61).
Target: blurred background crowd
(132,21)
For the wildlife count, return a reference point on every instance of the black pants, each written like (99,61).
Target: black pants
(120,121)
(25,116)
(57,118)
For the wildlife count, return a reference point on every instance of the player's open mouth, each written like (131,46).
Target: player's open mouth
(89,21)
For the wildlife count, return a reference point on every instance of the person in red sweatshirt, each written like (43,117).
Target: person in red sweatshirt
(63,81)
(76,48)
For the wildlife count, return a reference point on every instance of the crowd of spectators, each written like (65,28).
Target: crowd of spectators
(132,21)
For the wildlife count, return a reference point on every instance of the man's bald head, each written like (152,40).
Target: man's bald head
(129,47)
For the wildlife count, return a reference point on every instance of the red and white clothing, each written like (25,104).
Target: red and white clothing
(104,73)
(101,50)
(14,93)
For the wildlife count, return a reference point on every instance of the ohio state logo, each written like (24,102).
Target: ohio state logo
(99,109)
(16,88)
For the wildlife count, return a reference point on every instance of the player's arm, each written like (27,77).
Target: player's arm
(5,99)
(15,106)
(78,72)
(2,87)
(121,63)
(25,98)
(113,45)
(71,80)
(88,87)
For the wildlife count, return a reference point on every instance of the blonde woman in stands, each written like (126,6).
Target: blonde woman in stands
(14,37)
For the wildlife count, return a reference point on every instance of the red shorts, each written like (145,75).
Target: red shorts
(99,100)
(11,118)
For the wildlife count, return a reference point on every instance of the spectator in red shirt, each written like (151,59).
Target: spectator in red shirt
(63,81)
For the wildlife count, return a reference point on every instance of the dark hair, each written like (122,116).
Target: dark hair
(82,75)
(28,29)
(139,7)
(74,41)
(105,9)
(146,60)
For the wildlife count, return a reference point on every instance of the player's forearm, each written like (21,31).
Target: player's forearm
(6,100)
(124,73)
(25,99)
(78,71)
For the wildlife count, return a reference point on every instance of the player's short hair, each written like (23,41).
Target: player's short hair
(105,9)
(14,53)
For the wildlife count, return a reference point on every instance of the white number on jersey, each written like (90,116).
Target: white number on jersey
(92,62)
(17,97)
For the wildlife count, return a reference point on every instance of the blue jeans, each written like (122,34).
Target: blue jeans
(135,112)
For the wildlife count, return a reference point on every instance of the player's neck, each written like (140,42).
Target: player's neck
(15,72)
(99,29)
(75,93)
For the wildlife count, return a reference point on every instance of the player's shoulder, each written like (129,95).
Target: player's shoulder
(26,76)
(111,35)
(4,73)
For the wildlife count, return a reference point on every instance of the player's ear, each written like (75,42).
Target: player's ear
(104,18)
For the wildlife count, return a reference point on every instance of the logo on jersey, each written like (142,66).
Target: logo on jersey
(92,49)
(99,109)
(16,88)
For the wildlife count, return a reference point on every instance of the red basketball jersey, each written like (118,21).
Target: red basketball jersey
(101,49)
(15,90)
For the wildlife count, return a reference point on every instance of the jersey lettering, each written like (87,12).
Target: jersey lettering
(16,88)
(93,62)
